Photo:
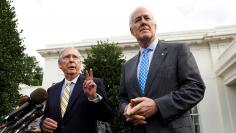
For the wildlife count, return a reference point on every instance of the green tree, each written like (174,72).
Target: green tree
(33,74)
(106,60)
(12,59)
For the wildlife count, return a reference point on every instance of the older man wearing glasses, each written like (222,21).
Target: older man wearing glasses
(77,102)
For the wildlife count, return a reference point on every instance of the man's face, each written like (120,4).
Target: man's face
(143,26)
(69,62)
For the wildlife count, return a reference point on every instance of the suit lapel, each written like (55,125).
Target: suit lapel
(158,57)
(133,73)
(57,95)
(75,94)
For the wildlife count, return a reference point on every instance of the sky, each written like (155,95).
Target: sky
(46,22)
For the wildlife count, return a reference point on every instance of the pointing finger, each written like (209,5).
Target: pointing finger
(87,75)
(91,73)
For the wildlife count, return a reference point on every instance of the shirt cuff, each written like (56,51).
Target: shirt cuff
(97,99)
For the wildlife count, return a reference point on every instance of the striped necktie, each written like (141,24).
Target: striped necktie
(143,70)
(65,98)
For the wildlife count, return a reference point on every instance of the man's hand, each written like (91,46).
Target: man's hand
(133,118)
(49,125)
(89,86)
(136,119)
(143,106)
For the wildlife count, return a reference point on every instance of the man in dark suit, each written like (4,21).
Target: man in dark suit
(161,84)
(77,102)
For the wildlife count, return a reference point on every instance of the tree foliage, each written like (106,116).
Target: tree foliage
(106,60)
(33,74)
(12,58)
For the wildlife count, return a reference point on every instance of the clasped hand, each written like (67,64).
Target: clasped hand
(89,86)
(139,109)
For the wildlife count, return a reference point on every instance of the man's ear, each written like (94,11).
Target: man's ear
(59,64)
(131,31)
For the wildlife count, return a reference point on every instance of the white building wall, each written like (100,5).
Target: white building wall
(203,58)
(52,73)
(225,108)
(231,94)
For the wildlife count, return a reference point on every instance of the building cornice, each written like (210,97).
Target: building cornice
(226,64)
(194,37)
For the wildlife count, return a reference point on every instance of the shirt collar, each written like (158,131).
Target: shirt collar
(74,80)
(152,46)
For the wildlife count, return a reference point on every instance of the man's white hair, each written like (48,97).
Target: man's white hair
(131,15)
(80,57)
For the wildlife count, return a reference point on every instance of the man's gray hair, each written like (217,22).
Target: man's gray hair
(131,16)
(80,57)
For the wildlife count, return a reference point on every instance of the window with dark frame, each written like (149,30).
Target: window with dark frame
(195,118)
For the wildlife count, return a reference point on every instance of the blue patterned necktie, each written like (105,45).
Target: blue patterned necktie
(143,70)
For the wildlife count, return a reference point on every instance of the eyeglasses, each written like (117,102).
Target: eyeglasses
(68,57)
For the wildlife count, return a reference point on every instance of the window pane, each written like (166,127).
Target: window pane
(195,118)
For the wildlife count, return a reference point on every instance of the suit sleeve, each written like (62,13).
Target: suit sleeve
(101,110)
(123,94)
(124,101)
(191,87)
(45,114)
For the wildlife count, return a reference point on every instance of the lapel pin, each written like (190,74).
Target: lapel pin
(162,53)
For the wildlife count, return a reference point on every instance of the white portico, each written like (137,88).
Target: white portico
(215,53)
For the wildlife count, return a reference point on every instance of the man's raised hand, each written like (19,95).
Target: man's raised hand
(89,86)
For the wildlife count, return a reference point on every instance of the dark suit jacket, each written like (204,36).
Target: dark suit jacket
(173,82)
(81,114)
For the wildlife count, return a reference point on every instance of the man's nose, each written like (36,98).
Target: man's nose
(71,58)
(143,21)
